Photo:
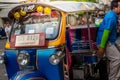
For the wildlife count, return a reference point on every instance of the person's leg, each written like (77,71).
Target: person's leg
(113,55)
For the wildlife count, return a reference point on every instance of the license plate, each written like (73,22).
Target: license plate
(28,40)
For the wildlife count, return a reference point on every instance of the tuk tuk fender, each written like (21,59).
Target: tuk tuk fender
(31,75)
(48,69)
(13,66)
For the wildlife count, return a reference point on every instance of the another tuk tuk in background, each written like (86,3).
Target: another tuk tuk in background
(36,48)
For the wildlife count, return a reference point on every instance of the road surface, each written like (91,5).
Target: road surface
(3,75)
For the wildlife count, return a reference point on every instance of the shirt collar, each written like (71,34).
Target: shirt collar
(116,16)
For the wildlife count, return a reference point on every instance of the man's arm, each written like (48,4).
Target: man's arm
(108,26)
(104,38)
(103,43)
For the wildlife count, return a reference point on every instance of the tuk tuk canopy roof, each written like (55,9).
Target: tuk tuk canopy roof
(65,6)
(71,6)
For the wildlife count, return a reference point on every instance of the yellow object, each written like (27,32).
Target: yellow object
(22,12)
(16,15)
(39,9)
(47,10)
(7,45)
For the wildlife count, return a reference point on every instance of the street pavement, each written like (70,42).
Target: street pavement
(3,75)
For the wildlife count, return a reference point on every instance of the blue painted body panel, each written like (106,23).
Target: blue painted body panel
(31,75)
(11,64)
(52,72)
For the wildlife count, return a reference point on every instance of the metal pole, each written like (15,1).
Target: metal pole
(88,26)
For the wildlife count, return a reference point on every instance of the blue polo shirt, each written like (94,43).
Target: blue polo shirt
(110,22)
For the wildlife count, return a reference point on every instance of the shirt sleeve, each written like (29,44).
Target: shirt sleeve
(104,38)
(109,24)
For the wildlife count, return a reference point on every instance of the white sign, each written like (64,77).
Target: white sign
(50,30)
(27,40)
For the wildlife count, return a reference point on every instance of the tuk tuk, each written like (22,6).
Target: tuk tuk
(36,48)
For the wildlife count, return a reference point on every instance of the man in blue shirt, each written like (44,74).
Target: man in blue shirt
(106,37)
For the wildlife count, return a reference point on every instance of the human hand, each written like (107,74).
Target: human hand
(100,52)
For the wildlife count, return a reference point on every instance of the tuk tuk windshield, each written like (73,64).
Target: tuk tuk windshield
(39,23)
